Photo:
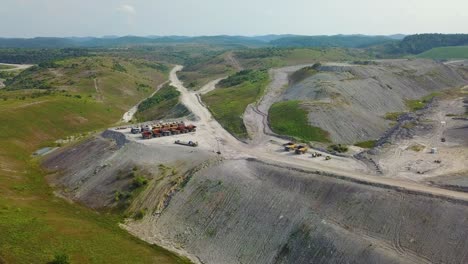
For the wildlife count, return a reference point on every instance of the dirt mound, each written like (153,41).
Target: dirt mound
(248,212)
(350,101)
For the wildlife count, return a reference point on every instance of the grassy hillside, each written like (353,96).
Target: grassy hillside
(200,71)
(164,104)
(117,83)
(288,118)
(228,103)
(446,53)
(35,225)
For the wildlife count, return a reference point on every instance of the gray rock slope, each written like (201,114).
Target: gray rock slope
(249,212)
(350,101)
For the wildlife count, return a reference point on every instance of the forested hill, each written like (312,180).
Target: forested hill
(416,44)
(345,41)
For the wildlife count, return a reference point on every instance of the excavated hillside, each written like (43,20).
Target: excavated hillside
(350,101)
(232,208)
(245,211)
(92,171)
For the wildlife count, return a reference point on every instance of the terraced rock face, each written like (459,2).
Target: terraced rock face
(350,101)
(249,212)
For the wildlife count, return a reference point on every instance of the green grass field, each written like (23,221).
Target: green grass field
(120,83)
(228,104)
(288,118)
(366,144)
(35,225)
(458,52)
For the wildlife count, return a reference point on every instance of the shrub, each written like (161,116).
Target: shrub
(61,258)
(139,181)
(140,214)
(338,148)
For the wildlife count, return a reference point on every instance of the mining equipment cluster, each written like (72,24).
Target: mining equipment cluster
(301,149)
(163,129)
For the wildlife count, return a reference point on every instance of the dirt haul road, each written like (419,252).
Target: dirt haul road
(234,149)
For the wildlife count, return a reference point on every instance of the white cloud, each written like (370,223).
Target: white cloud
(127,9)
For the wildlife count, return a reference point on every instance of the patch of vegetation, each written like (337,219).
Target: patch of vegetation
(340,148)
(241,77)
(6,67)
(288,118)
(164,104)
(139,214)
(416,147)
(228,104)
(393,116)
(118,67)
(60,259)
(139,181)
(366,144)
(409,125)
(166,93)
(415,105)
(445,53)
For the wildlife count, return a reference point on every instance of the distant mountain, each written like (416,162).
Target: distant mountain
(393,44)
(37,43)
(269,38)
(397,36)
(347,41)
(111,41)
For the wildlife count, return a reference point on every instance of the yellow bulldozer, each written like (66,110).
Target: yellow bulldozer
(289,146)
(301,149)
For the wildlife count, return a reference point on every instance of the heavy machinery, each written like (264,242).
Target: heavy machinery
(327,158)
(146,135)
(163,129)
(316,154)
(289,146)
(301,149)
(184,143)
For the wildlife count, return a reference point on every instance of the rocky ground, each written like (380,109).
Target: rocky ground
(409,155)
(350,101)
(249,212)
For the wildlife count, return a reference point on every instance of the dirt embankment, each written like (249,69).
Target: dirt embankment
(350,101)
(248,212)
(91,172)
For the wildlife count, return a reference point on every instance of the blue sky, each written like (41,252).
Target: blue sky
(30,18)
